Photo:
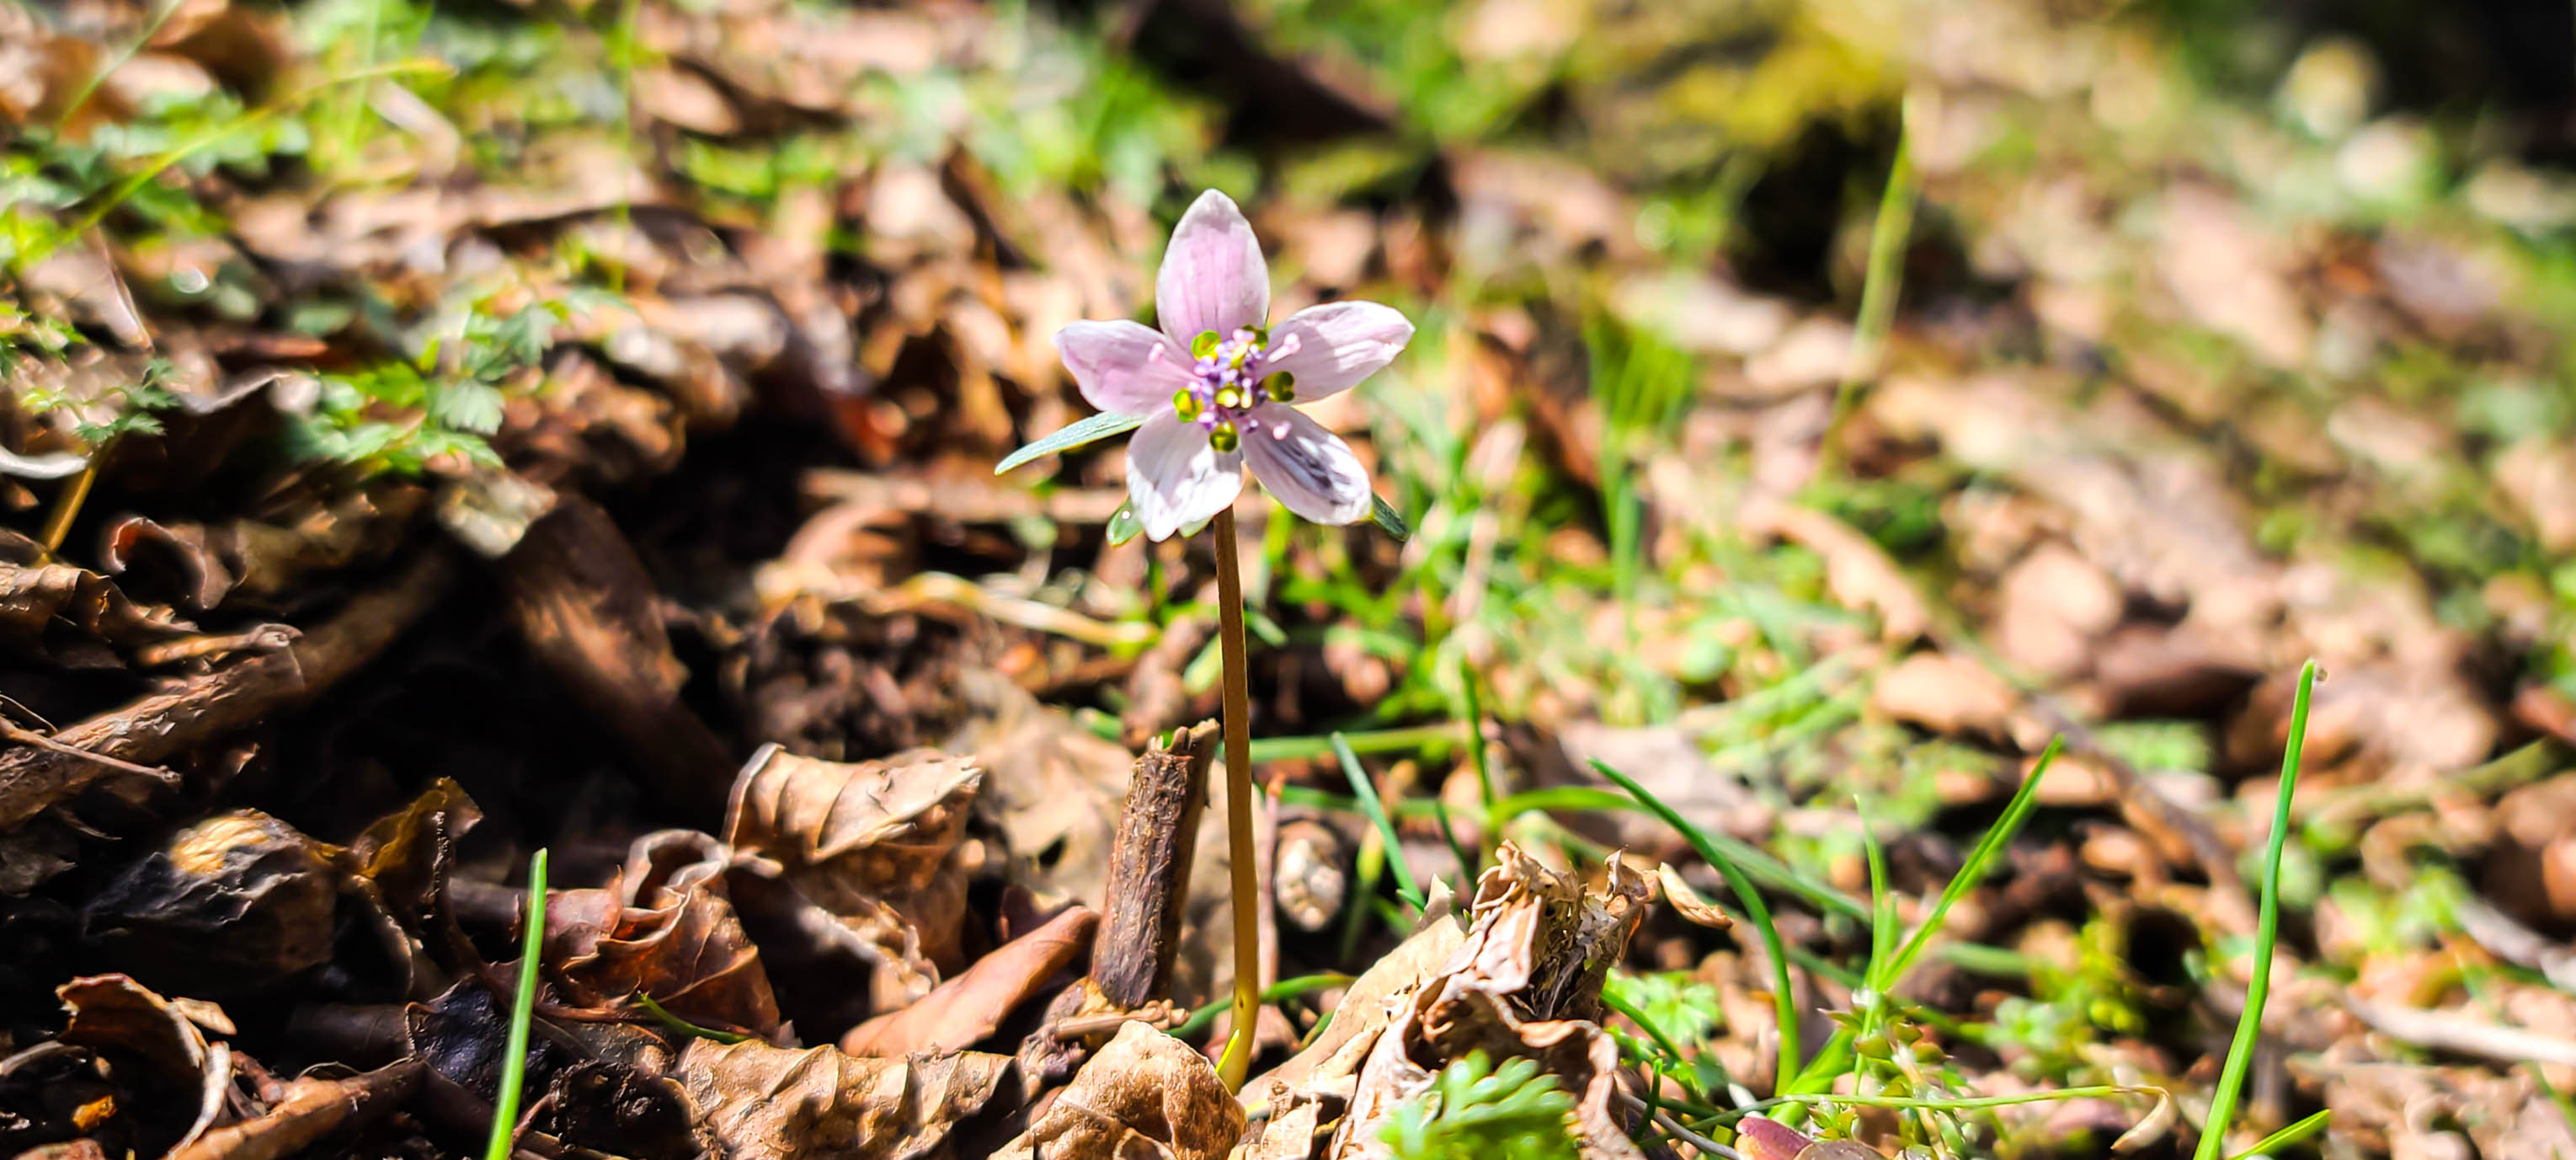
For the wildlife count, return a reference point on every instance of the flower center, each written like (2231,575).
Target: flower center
(1227,385)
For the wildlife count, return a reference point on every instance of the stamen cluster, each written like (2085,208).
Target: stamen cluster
(1230,388)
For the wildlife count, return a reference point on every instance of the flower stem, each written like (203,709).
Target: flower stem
(1236,1063)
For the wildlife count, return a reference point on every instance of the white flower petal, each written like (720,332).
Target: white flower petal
(1333,346)
(1311,470)
(1175,479)
(1115,365)
(1213,275)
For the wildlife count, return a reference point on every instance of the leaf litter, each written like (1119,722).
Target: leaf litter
(439,434)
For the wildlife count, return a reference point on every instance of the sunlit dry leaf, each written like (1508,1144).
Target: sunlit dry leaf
(1860,572)
(66,614)
(1145,1096)
(1526,981)
(1946,694)
(966,1009)
(771,1103)
(234,903)
(874,832)
(1309,1091)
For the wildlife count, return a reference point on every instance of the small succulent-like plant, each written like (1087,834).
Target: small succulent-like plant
(1475,1109)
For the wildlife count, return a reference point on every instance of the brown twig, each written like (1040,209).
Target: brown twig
(1149,870)
(167,724)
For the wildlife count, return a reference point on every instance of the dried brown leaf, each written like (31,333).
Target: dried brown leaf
(1526,982)
(1145,1096)
(669,932)
(970,1007)
(115,1016)
(1687,902)
(314,1107)
(856,837)
(771,1103)
(235,903)
(66,615)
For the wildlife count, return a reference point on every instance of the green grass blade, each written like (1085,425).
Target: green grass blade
(683,1026)
(1376,811)
(1980,861)
(2286,1136)
(1069,436)
(1882,914)
(2267,932)
(514,1057)
(1784,998)
(1200,1019)
(1475,716)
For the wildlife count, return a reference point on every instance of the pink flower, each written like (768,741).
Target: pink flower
(1216,387)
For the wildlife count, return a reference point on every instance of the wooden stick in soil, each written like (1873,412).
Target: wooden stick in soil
(1236,1063)
(1149,870)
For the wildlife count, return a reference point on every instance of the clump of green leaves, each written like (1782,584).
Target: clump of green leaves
(401,414)
(1474,1109)
(121,410)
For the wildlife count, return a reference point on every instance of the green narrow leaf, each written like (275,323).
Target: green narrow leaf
(1973,870)
(1366,791)
(1071,435)
(1783,998)
(2286,1137)
(2267,932)
(1123,524)
(514,1057)
(1389,518)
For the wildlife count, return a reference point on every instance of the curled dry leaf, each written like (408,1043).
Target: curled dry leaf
(1523,981)
(970,1007)
(856,837)
(771,1103)
(182,1079)
(1145,1096)
(1687,902)
(1526,982)
(75,617)
(314,1107)
(667,931)
(1308,1092)
(233,904)
(261,561)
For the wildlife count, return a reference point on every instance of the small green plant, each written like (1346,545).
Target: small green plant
(400,415)
(1475,1109)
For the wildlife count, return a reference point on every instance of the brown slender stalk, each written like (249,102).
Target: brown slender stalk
(1236,1063)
